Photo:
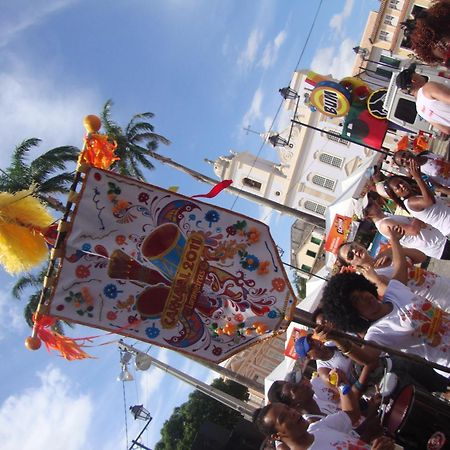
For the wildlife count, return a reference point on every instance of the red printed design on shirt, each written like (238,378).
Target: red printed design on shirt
(442,167)
(429,322)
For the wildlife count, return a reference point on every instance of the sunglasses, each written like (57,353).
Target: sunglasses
(351,254)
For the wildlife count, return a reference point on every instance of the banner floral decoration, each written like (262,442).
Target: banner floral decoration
(163,268)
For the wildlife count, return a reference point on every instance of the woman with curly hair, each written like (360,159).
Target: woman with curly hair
(424,205)
(429,33)
(410,323)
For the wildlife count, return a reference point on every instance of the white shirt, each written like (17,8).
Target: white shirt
(437,215)
(429,285)
(334,432)
(438,169)
(432,110)
(327,399)
(413,326)
(429,240)
(337,361)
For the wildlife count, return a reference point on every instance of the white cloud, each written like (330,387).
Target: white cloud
(41,106)
(338,20)
(49,416)
(270,53)
(11,315)
(254,112)
(27,15)
(338,61)
(248,55)
(150,380)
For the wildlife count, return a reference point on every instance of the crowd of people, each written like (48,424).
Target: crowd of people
(388,301)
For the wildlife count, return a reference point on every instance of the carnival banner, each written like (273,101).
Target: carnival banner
(154,265)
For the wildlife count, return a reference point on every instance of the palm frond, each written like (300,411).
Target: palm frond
(136,118)
(151,137)
(57,157)
(18,156)
(23,283)
(59,183)
(142,158)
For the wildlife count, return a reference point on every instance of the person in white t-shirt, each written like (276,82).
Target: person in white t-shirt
(311,398)
(437,168)
(432,98)
(423,205)
(380,270)
(403,320)
(418,235)
(333,432)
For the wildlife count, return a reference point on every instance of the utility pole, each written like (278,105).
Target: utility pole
(309,218)
(228,400)
(227,373)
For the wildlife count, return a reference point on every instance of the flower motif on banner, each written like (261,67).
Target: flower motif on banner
(166,269)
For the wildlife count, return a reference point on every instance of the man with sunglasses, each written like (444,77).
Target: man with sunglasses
(432,98)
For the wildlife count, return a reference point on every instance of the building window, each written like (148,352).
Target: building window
(384,36)
(335,161)
(391,61)
(389,20)
(251,183)
(306,268)
(324,182)
(316,241)
(311,253)
(315,207)
(393,4)
(383,73)
(336,137)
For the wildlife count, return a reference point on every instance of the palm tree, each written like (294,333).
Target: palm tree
(21,175)
(33,281)
(133,143)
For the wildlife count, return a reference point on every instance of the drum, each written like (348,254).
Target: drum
(416,416)
(163,247)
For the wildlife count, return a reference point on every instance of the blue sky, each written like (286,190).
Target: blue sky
(206,68)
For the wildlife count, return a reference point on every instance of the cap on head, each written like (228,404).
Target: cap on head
(302,346)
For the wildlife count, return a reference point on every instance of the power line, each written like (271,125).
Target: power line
(125,414)
(311,28)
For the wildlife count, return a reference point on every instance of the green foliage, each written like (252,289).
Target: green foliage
(29,286)
(179,431)
(133,143)
(300,286)
(41,173)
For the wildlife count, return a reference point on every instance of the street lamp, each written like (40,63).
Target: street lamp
(140,413)
(288,93)
(277,141)
(360,51)
(125,358)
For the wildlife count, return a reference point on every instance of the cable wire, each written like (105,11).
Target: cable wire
(125,414)
(311,28)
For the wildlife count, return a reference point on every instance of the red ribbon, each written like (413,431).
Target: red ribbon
(217,189)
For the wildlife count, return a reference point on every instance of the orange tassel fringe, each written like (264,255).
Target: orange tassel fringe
(67,347)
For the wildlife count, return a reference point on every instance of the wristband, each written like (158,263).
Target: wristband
(344,389)
(361,387)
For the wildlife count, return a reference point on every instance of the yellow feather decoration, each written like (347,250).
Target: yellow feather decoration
(23,220)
